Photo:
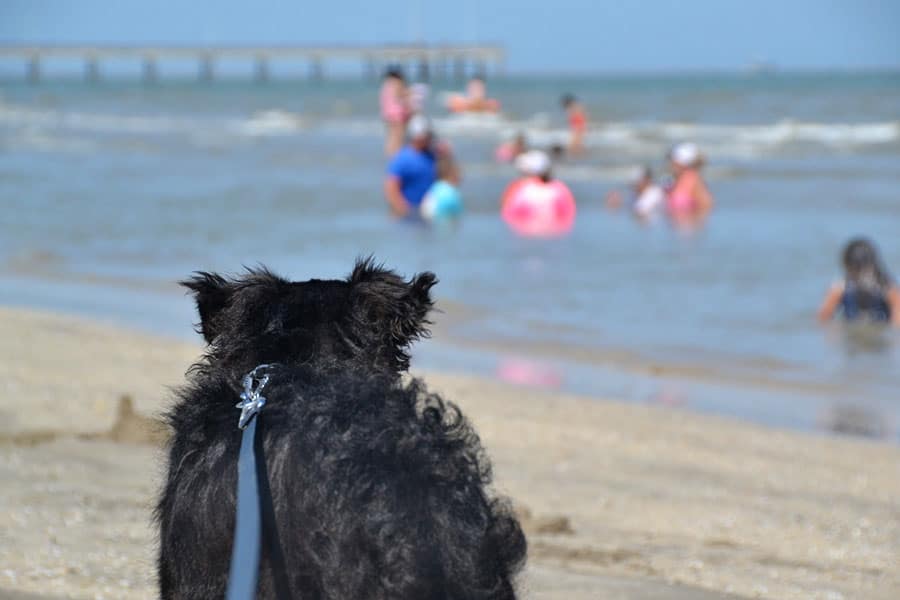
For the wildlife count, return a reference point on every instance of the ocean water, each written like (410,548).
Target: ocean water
(111,192)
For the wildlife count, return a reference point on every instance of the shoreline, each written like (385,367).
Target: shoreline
(617,499)
(768,392)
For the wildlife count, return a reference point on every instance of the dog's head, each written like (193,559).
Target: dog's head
(367,320)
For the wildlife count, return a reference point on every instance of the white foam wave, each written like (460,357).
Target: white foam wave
(42,142)
(789,131)
(627,139)
(25,117)
(270,122)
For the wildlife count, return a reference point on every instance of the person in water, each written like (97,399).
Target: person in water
(509,150)
(530,165)
(648,197)
(578,120)
(688,198)
(475,99)
(557,152)
(866,292)
(417,97)
(395,109)
(533,166)
(413,170)
(443,201)
(537,204)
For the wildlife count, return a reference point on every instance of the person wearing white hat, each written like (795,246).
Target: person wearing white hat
(535,163)
(688,197)
(686,155)
(537,204)
(413,169)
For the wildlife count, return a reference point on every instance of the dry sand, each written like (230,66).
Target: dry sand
(619,501)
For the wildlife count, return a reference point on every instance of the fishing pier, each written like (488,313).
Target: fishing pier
(420,61)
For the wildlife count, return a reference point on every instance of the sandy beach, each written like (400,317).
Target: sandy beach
(619,501)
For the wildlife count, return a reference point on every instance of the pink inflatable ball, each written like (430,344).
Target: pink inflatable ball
(538,208)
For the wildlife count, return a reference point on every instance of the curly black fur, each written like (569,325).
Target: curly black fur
(372,488)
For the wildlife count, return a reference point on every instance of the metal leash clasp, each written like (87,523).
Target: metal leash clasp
(252,400)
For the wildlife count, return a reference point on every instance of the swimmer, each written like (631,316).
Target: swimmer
(508,151)
(537,205)
(443,201)
(530,165)
(688,199)
(475,99)
(647,196)
(557,152)
(577,123)
(476,90)
(866,292)
(418,97)
(395,110)
(413,170)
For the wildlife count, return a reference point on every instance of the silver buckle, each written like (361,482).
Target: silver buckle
(251,399)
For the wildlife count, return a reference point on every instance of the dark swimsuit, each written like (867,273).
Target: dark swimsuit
(858,303)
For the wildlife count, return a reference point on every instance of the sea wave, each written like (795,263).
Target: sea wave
(270,122)
(629,139)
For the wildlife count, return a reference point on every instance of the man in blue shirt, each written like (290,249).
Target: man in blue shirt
(413,170)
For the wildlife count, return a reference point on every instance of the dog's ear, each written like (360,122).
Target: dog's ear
(211,292)
(383,297)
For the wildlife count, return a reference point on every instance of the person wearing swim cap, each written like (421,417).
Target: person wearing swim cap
(688,198)
(413,170)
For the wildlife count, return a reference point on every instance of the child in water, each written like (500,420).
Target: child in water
(395,109)
(648,197)
(508,151)
(443,201)
(577,123)
(867,292)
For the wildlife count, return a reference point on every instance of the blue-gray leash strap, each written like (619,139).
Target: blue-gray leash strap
(245,553)
(244,571)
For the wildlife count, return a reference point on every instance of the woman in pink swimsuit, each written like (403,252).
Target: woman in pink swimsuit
(688,198)
(394,110)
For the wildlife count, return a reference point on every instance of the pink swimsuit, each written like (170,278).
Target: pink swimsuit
(681,196)
(393,109)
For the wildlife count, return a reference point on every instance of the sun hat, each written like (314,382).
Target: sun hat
(533,162)
(418,126)
(685,154)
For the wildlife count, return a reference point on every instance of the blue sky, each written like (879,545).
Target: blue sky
(540,35)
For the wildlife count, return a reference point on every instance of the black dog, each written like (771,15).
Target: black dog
(372,488)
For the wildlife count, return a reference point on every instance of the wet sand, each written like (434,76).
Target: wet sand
(619,501)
